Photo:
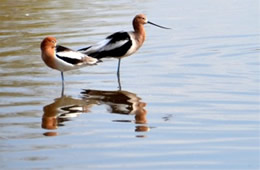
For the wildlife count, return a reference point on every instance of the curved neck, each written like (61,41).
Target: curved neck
(138,27)
(139,32)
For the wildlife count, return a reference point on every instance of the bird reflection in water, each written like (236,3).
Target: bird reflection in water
(120,102)
(61,110)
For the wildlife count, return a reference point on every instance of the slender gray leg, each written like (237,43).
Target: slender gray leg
(62,79)
(118,67)
(118,74)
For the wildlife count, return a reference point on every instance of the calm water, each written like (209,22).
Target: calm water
(189,99)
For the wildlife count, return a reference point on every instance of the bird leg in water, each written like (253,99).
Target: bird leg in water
(62,79)
(118,74)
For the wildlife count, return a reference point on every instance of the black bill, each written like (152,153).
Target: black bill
(157,25)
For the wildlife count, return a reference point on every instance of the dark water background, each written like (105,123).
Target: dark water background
(189,99)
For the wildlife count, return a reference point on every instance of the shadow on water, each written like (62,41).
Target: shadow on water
(117,102)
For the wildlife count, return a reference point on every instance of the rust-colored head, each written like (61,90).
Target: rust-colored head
(140,19)
(138,24)
(48,42)
(48,46)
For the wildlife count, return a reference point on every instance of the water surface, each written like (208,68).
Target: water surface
(189,98)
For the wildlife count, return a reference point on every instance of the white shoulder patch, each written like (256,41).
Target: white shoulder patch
(115,45)
(71,54)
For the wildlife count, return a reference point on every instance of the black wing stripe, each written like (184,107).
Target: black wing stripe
(70,60)
(117,52)
(118,36)
(60,48)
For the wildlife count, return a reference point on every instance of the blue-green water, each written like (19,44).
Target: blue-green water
(189,99)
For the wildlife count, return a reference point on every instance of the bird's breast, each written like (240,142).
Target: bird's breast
(136,44)
(49,58)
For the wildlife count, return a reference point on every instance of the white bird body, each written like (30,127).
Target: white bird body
(70,60)
(62,58)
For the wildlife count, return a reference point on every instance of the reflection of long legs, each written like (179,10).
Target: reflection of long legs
(118,74)
(62,79)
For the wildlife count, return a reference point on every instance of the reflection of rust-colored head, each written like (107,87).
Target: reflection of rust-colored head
(49,123)
(142,128)
(50,134)
(140,113)
(55,113)
(120,102)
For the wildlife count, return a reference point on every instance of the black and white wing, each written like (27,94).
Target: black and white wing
(115,45)
(73,57)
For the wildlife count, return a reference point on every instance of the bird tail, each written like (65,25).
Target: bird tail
(90,60)
(90,52)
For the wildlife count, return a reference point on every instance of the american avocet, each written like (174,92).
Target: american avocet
(121,44)
(62,58)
